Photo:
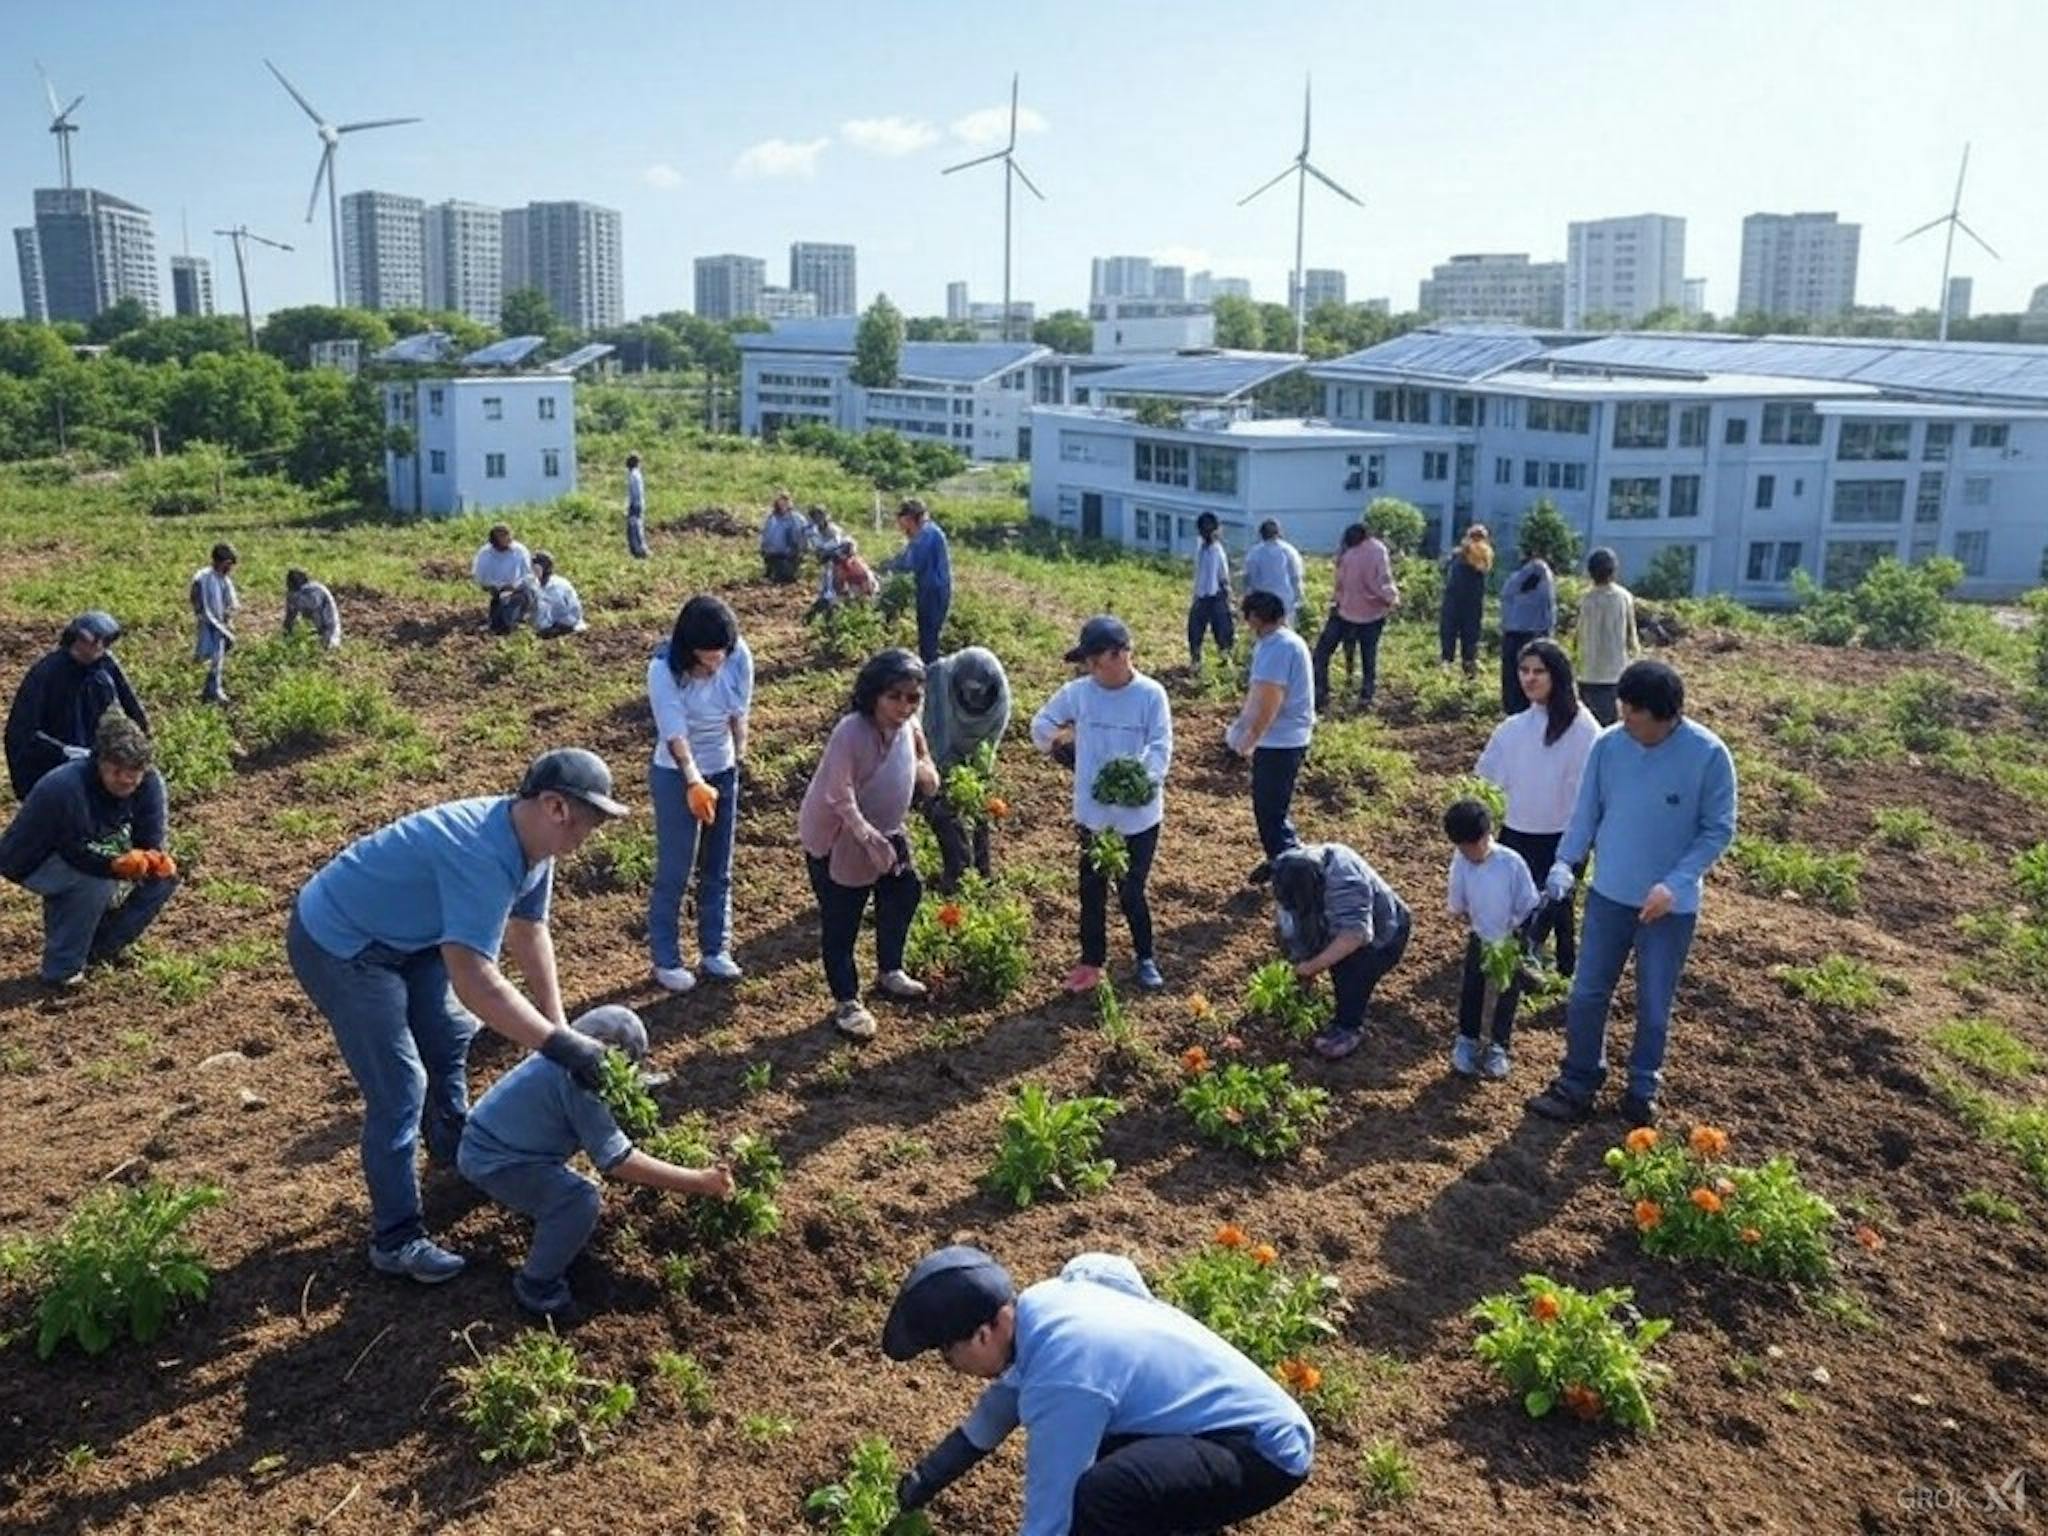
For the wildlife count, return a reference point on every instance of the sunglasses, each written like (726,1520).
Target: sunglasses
(905,695)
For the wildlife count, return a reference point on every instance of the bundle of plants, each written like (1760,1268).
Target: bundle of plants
(979,939)
(1124,781)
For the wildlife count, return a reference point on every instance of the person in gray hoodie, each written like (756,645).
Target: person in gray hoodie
(1528,611)
(966,707)
(1335,913)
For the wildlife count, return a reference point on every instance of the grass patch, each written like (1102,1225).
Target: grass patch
(300,825)
(1355,761)
(185,978)
(1798,869)
(2009,951)
(2018,1129)
(1988,1046)
(1905,826)
(195,750)
(1991,1207)
(1838,982)
(1388,1473)
(244,895)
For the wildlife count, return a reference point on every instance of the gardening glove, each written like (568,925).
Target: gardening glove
(1560,883)
(578,1054)
(132,865)
(952,1459)
(703,801)
(161,865)
(73,754)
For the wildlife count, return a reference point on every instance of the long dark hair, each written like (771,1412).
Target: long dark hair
(1563,707)
(884,670)
(1355,535)
(706,623)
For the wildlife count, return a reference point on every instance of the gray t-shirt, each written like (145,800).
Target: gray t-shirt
(537,1113)
(1282,657)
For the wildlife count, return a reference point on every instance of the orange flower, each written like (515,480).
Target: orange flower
(1648,1214)
(1194,1061)
(1544,1308)
(1583,1402)
(1264,1254)
(950,915)
(1642,1138)
(1752,1236)
(1707,1200)
(1870,1238)
(1300,1375)
(1199,1007)
(1231,1235)
(1708,1141)
(996,806)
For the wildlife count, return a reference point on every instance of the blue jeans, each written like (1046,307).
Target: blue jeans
(1610,932)
(82,921)
(563,1205)
(1274,770)
(677,850)
(636,533)
(1210,615)
(931,618)
(406,1042)
(212,649)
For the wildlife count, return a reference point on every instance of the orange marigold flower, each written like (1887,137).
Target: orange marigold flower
(1648,1214)
(1583,1402)
(1231,1235)
(1302,1376)
(996,806)
(1544,1308)
(1265,1253)
(1707,1200)
(1642,1138)
(1752,1236)
(1200,1007)
(1708,1141)
(1194,1061)
(1870,1238)
(950,915)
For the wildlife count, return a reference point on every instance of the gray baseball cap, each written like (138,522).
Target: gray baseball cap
(944,1298)
(574,772)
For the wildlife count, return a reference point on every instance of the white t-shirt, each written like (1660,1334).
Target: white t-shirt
(556,604)
(499,569)
(700,710)
(1541,782)
(1494,895)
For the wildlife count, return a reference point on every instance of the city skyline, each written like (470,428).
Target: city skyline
(785,147)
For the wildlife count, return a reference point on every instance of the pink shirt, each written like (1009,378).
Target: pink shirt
(858,797)
(1365,583)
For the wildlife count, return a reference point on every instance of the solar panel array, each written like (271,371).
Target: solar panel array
(1191,378)
(1460,355)
(961,362)
(509,353)
(582,357)
(425,347)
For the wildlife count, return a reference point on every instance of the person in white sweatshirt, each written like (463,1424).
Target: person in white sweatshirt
(557,609)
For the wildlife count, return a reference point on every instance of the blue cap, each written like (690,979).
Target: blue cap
(98,623)
(946,1296)
(1104,632)
(574,772)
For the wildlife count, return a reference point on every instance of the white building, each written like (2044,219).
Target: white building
(1120,277)
(1797,264)
(1322,285)
(1960,290)
(786,304)
(956,301)
(1694,304)
(1623,268)
(571,252)
(1151,325)
(383,251)
(729,287)
(28,257)
(480,441)
(828,272)
(1503,288)
(465,260)
(1750,458)
(89,251)
(191,285)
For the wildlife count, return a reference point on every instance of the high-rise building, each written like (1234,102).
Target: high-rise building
(1694,304)
(1170,283)
(191,285)
(1505,288)
(514,270)
(1959,295)
(571,252)
(957,301)
(1797,264)
(1321,285)
(28,256)
(1230,288)
(383,251)
(828,272)
(465,260)
(1623,268)
(91,250)
(1120,277)
(786,304)
(729,287)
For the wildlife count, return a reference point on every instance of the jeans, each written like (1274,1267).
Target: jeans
(82,922)
(1158,1485)
(779,568)
(1612,931)
(1539,852)
(1599,699)
(636,533)
(1210,615)
(563,1205)
(839,912)
(509,609)
(959,849)
(1355,976)
(931,618)
(1130,895)
(1457,629)
(406,1042)
(1274,770)
(682,843)
(1512,700)
(1363,638)
(1472,1000)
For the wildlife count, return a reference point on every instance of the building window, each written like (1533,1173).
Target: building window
(1539,415)
(1436,464)
(547,407)
(1735,431)
(1415,405)
(1794,424)
(1141,525)
(1976,490)
(1875,440)
(1989,434)
(1354,471)
(434,401)
(437,461)
(1467,411)
(1870,501)
(1940,434)
(1216,471)
(1553,474)
(551,463)
(1773,562)
(494,466)
(1503,471)
(1633,500)
(494,408)
(1685,496)
(1383,405)
(1161,464)
(1692,426)
(1766,492)
(1848,561)
(1971,549)
(1927,505)
(1575,477)
(1532,473)
(1375,471)
(1642,424)
(1073,450)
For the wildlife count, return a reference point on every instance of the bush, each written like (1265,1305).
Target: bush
(122,1262)
(1899,606)
(1545,535)
(1905,826)
(847,633)
(1276,995)
(1048,1145)
(1395,523)
(1260,1111)
(311,708)
(1238,1289)
(1669,574)
(981,937)
(1794,869)
(1559,1347)
(756,1173)
(1924,708)
(1690,1204)
(863,1502)
(195,751)
(531,1398)
(185,483)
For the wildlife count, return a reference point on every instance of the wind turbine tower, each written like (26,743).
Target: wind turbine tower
(1954,220)
(62,126)
(1011,169)
(1301,170)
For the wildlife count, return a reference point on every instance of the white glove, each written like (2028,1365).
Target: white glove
(73,754)
(1559,884)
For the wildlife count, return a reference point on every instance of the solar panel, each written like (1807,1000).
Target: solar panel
(962,362)
(425,347)
(509,353)
(582,357)
(1192,378)
(1463,355)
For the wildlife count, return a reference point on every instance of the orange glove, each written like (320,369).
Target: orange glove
(132,865)
(703,802)
(161,865)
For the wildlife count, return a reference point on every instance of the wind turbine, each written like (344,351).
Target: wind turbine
(240,235)
(1301,170)
(61,125)
(330,138)
(1008,155)
(1954,220)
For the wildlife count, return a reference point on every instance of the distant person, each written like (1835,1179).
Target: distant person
(62,699)
(1209,608)
(1528,611)
(1366,593)
(1274,565)
(214,604)
(966,708)
(1491,889)
(1336,913)
(89,827)
(636,509)
(504,570)
(928,559)
(556,607)
(783,535)
(1606,633)
(1272,730)
(305,598)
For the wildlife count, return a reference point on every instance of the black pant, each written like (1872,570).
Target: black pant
(839,913)
(1359,972)
(508,610)
(1363,638)
(1472,999)
(958,847)
(1274,770)
(1457,629)
(1539,852)
(1599,699)
(1130,895)
(931,618)
(1160,1485)
(1512,700)
(1210,615)
(780,568)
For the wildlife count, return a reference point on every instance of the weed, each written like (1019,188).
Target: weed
(195,751)
(1992,1207)
(1388,1473)
(1258,1110)
(16,1059)
(1836,981)
(1988,1046)
(2021,1130)
(314,708)
(1742,1369)
(835,1072)
(79,1459)
(1560,1347)
(756,1172)
(245,895)
(299,825)
(1281,998)
(1051,1145)
(1354,760)
(625,856)
(1690,1204)
(981,935)
(755,1079)
(1846,1310)
(848,632)
(684,1380)
(2007,950)
(766,1428)
(531,1400)
(1240,1289)
(1905,826)
(902,1151)
(1795,869)
(863,1501)
(2030,873)
(678,1273)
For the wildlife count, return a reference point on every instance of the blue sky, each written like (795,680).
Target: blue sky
(1480,126)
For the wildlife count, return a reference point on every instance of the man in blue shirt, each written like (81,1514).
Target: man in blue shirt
(396,940)
(1142,1422)
(1272,730)
(928,559)
(1656,808)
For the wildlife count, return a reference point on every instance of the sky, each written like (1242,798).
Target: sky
(1482,126)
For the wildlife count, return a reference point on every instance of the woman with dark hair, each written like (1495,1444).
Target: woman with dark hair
(1528,611)
(1209,613)
(701,685)
(1365,595)
(1464,600)
(852,828)
(1537,756)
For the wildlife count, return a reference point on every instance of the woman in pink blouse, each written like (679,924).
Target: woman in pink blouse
(1366,594)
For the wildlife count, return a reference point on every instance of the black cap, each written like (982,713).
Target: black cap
(946,1296)
(98,623)
(1104,632)
(573,772)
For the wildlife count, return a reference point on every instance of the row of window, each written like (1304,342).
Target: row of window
(1771,562)
(494,463)
(1639,498)
(1894,439)
(1210,470)
(1556,474)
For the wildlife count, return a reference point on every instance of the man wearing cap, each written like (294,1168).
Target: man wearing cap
(783,533)
(557,609)
(504,570)
(1142,1422)
(927,557)
(214,603)
(396,941)
(62,698)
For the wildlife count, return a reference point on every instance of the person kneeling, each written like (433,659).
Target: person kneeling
(520,1136)
(1336,914)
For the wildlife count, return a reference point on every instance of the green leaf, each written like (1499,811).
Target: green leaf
(1539,1403)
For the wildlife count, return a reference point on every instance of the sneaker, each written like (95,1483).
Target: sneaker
(1259,873)
(896,984)
(422,1259)
(853,1021)
(1084,978)
(676,978)
(1556,1103)
(1465,1057)
(1497,1064)
(1637,1112)
(721,967)
(69,983)
(1335,1044)
(1149,978)
(556,1303)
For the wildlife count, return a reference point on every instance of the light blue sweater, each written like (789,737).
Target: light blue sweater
(1653,815)
(1132,721)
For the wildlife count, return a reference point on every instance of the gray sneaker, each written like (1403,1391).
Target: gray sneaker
(422,1259)
(1465,1057)
(1149,978)
(1497,1064)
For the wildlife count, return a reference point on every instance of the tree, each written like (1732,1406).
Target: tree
(1065,330)
(28,349)
(526,312)
(878,345)
(1545,535)
(237,400)
(1238,325)
(933,328)
(1157,411)
(181,338)
(341,426)
(288,335)
(117,319)
(1395,523)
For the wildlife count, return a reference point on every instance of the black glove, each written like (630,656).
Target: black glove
(1063,754)
(581,1056)
(950,1460)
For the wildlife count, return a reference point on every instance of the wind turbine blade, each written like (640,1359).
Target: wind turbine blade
(304,104)
(1319,176)
(49,90)
(1268,186)
(1305,83)
(1027,181)
(977,160)
(1956,205)
(325,169)
(1978,238)
(1930,224)
(76,103)
(378,122)
(1013,113)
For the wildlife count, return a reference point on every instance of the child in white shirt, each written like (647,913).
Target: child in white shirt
(1492,890)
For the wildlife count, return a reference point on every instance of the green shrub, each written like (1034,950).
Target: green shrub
(980,936)
(313,708)
(1795,869)
(531,1400)
(863,1501)
(1239,1289)
(1988,1046)
(1669,574)
(1355,759)
(1279,997)
(1923,708)
(1899,607)
(1051,1145)
(1905,826)
(756,1172)
(195,750)
(1261,1111)
(1690,1204)
(1559,1347)
(1546,535)
(847,633)
(2030,872)
(1395,523)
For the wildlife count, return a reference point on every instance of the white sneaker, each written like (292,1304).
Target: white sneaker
(721,967)
(896,984)
(676,978)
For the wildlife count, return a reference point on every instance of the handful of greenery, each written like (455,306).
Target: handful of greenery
(1124,781)
(1109,854)
(627,1097)
(969,786)
(1499,960)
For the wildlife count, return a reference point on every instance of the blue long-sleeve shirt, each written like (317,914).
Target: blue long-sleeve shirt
(69,813)
(928,559)
(1653,815)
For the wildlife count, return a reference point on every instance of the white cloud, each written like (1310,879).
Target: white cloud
(779,157)
(889,135)
(663,176)
(991,126)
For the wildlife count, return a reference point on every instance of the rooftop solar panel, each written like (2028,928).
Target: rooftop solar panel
(509,353)
(582,357)
(425,347)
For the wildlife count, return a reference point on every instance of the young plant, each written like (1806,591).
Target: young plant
(531,1399)
(980,936)
(1239,1289)
(1795,869)
(1258,1110)
(1906,827)
(1988,1046)
(1838,982)
(1559,1347)
(627,1097)
(1123,781)
(120,1264)
(1051,1145)
(1109,854)
(686,1380)
(970,788)
(1388,1473)
(863,1501)
(1281,998)
(1691,1204)
(1500,960)
(752,1211)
